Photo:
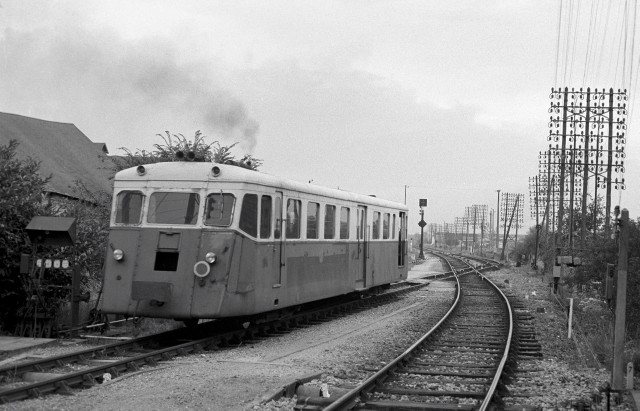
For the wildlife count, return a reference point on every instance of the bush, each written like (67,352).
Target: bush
(22,198)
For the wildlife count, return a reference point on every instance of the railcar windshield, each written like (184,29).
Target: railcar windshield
(129,207)
(173,208)
(219,209)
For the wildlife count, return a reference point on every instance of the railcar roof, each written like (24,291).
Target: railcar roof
(201,172)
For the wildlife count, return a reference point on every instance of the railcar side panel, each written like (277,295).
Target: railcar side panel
(317,271)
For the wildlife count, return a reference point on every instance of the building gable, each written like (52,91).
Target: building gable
(64,153)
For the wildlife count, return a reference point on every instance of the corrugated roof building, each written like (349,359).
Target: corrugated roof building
(63,150)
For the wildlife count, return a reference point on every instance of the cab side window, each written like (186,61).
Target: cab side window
(265,217)
(129,207)
(249,215)
(219,209)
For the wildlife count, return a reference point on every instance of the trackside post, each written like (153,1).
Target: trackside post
(622,228)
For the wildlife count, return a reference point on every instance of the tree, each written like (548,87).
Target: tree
(527,245)
(22,198)
(92,226)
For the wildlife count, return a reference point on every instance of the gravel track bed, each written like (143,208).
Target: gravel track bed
(341,351)
(344,351)
(561,378)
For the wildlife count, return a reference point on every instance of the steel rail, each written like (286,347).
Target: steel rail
(44,364)
(64,382)
(505,355)
(88,376)
(348,399)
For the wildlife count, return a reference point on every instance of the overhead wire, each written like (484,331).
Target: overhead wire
(567,40)
(574,47)
(609,54)
(632,91)
(555,79)
(620,49)
(631,87)
(590,40)
(625,28)
(600,59)
(571,41)
(600,25)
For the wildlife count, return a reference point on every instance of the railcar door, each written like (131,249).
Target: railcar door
(402,239)
(361,279)
(278,234)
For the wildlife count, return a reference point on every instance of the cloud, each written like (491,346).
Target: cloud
(368,134)
(71,74)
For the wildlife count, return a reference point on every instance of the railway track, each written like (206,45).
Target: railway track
(457,364)
(86,368)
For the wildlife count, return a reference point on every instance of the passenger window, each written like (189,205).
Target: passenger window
(173,208)
(329,221)
(265,217)
(376,226)
(219,209)
(278,217)
(393,229)
(293,218)
(385,226)
(344,222)
(249,215)
(313,209)
(129,207)
(360,228)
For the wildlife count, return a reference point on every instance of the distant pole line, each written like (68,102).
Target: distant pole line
(582,126)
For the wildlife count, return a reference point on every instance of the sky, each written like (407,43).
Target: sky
(443,100)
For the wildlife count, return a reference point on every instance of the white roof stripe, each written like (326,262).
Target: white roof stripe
(195,172)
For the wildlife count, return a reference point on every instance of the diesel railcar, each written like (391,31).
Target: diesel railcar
(195,240)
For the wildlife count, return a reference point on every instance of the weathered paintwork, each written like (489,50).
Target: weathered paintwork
(250,275)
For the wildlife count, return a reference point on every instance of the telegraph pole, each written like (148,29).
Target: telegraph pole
(482,230)
(459,221)
(549,187)
(622,228)
(535,258)
(585,173)
(498,222)
(558,238)
(475,221)
(466,242)
(607,217)
(504,226)
(593,125)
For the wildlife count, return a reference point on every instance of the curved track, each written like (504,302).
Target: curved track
(88,367)
(457,364)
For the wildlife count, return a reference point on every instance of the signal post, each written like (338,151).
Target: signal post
(423,203)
